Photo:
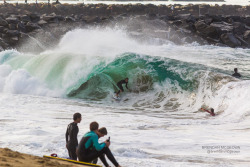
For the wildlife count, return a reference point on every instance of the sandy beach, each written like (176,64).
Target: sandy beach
(9,158)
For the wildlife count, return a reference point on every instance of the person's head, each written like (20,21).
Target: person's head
(235,70)
(126,79)
(77,117)
(102,132)
(93,126)
(212,110)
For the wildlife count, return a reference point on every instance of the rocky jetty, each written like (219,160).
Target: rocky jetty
(44,24)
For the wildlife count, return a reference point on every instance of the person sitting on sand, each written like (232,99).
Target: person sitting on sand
(71,136)
(102,130)
(211,112)
(89,148)
(119,84)
(236,74)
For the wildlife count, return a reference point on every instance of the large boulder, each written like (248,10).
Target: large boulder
(34,17)
(12,20)
(222,27)
(235,18)
(187,17)
(239,28)
(3,22)
(247,21)
(12,26)
(3,44)
(206,30)
(50,18)
(12,33)
(2,28)
(247,36)
(12,41)
(230,40)
(21,27)
(69,19)
(25,18)
(31,26)
(42,23)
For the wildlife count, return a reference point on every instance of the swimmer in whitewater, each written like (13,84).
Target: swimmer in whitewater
(236,74)
(119,84)
(211,112)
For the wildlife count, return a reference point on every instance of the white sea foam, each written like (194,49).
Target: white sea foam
(159,127)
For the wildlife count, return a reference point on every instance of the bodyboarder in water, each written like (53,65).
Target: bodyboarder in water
(71,136)
(236,74)
(119,84)
(211,112)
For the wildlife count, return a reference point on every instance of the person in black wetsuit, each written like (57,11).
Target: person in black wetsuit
(71,136)
(102,130)
(119,84)
(236,74)
(90,149)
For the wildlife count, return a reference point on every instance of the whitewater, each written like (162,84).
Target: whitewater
(158,123)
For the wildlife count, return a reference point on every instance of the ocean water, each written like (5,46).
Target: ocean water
(157,124)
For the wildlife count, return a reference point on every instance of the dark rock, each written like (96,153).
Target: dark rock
(247,21)
(42,23)
(25,18)
(69,19)
(21,27)
(3,22)
(187,17)
(239,28)
(243,42)
(177,22)
(206,30)
(246,36)
(164,18)
(212,40)
(247,27)
(171,18)
(222,27)
(12,20)
(12,33)
(220,44)
(34,17)
(50,18)
(12,40)
(190,26)
(2,29)
(3,44)
(208,20)
(152,15)
(230,40)
(217,18)
(60,18)
(31,26)
(12,26)
(93,19)
(235,18)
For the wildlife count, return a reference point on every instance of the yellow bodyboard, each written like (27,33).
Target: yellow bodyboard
(72,161)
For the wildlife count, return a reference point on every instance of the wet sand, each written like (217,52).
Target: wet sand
(9,158)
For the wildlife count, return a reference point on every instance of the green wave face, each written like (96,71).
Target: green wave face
(79,76)
(143,72)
